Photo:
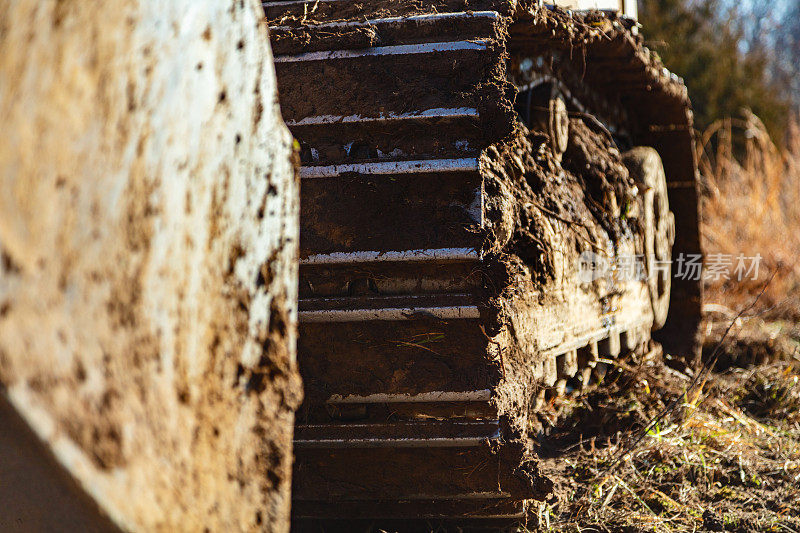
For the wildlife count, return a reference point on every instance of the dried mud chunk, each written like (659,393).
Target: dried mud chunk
(593,157)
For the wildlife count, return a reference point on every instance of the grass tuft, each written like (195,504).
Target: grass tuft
(727,459)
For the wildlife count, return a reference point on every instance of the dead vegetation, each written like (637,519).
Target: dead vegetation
(751,189)
(726,458)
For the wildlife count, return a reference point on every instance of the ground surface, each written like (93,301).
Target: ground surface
(723,456)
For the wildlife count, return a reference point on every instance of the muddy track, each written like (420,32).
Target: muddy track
(441,235)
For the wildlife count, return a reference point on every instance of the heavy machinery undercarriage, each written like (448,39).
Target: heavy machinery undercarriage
(460,159)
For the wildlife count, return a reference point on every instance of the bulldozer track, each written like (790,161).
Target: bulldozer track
(417,401)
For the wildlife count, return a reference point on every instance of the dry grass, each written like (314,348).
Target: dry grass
(752,206)
(728,458)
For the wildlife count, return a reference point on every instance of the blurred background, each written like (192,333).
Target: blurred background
(741,63)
